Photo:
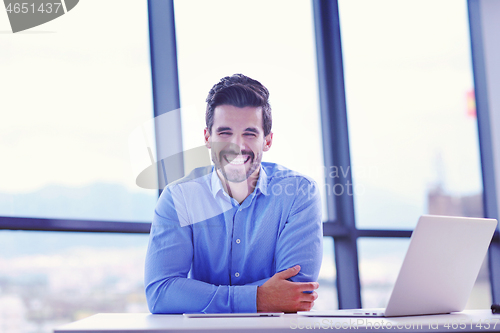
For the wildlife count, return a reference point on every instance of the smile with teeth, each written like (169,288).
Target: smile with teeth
(236,159)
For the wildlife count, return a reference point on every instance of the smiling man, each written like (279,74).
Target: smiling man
(242,235)
(239,134)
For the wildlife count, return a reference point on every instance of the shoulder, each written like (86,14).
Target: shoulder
(277,173)
(196,176)
(285,183)
(298,192)
(178,194)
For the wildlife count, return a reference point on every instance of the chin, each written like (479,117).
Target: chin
(234,177)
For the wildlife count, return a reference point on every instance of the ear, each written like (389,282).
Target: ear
(207,138)
(268,141)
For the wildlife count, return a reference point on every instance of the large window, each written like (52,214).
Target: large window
(73,90)
(412,125)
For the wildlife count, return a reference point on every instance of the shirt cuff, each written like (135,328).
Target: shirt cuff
(245,299)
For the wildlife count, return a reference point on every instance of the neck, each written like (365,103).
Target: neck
(239,191)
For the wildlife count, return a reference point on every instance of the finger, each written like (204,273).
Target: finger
(305,306)
(288,273)
(309,297)
(307,286)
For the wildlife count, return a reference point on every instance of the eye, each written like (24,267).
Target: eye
(225,133)
(250,134)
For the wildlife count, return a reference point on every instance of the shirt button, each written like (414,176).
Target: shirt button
(237,274)
(238,241)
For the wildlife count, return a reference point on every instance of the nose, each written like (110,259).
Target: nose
(240,142)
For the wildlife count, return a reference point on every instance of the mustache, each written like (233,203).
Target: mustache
(232,152)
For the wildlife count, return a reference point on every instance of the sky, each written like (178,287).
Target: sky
(73,90)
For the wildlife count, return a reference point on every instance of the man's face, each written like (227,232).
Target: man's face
(237,141)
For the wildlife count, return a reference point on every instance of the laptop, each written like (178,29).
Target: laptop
(439,269)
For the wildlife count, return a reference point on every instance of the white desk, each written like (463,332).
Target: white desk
(467,321)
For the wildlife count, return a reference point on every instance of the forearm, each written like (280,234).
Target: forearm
(185,295)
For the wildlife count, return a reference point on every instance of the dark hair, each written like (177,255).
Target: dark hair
(240,91)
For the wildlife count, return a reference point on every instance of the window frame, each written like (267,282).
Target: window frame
(490,196)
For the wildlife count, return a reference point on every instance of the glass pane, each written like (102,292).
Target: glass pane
(413,127)
(412,120)
(279,52)
(327,291)
(51,278)
(379,264)
(72,94)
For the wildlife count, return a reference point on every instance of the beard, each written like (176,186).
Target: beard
(236,173)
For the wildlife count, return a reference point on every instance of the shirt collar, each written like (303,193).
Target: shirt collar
(261,182)
(215,182)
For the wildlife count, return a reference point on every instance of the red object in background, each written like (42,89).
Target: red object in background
(471,104)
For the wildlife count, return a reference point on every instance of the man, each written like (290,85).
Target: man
(243,235)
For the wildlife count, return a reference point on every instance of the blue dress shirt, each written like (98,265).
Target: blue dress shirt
(208,253)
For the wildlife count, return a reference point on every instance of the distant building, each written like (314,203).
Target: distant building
(441,203)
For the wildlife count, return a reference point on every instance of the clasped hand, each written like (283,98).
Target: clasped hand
(280,295)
